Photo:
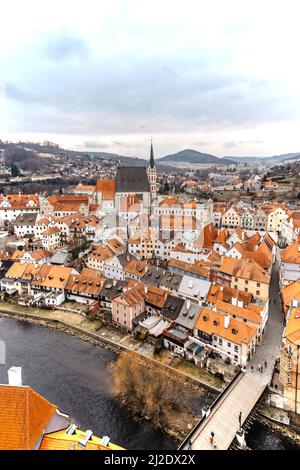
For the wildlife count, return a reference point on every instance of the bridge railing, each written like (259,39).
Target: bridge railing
(188,438)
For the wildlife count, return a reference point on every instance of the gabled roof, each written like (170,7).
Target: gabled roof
(246,269)
(132,180)
(211,322)
(291,292)
(107,188)
(24,414)
(291,254)
(172,307)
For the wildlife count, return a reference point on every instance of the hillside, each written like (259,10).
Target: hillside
(25,160)
(274,159)
(193,157)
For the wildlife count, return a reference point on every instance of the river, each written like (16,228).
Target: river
(73,374)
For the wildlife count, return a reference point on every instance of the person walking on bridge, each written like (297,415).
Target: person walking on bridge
(212,440)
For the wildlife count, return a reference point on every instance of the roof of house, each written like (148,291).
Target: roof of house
(153,275)
(246,269)
(291,254)
(132,180)
(90,285)
(107,187)
(136,267)
(51,231)
(101,253)
(172,307)
(26,219)
(292,329)
(60,440)
(291,292)
(193,287)
(52,276)
(211,322)
(112,288)
(171,281)
(197,268)
(24,414)
(155,296)
(132,296)
(188,315)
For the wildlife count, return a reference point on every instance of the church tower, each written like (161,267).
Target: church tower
(152,175)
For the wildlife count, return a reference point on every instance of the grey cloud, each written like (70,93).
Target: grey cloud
(132,93)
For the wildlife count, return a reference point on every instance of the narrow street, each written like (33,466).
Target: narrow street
(269,348)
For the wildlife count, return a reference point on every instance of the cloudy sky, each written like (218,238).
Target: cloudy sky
(221,77)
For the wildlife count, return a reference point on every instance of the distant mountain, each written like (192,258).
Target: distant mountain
(130,161)
(193,157)
(274,159)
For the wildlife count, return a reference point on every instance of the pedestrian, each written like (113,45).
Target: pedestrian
(262,369)
(211,439)
(274,301)
(266,364)
(251,368)
(258,367)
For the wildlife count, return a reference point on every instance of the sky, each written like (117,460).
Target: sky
(221,77)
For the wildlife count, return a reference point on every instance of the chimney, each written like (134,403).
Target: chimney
(188,304)
(240,303)
(146,289)
(234,301)
(226,321)
(114,282)
(190,284)
(15,376)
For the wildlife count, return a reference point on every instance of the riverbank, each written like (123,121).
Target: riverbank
(75,376)
(185,422)
(96,334)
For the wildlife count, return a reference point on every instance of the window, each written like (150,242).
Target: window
(229,345)
(236,348)
(258,292)
(220,341)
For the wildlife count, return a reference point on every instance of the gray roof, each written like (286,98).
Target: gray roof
(26,219)
(60,258)
(172,307)
(171,281)
(132,179)
(188,315)
(153,275)
(196,288)
(112,289)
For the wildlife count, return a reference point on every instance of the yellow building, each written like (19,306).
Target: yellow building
(289,362)
(65,439)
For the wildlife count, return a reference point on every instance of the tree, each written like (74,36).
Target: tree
(147,390)
(14,170)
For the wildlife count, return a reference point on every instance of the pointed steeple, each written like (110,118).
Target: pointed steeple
(151,161)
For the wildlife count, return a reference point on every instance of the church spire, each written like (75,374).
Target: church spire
(151,162)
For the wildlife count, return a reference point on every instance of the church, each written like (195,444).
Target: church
(138,181)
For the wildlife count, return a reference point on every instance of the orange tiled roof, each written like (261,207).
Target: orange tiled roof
(24,415)
(107,188)
(211,322)
(292,330)
(291,254)
(289,293)
(246,269)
